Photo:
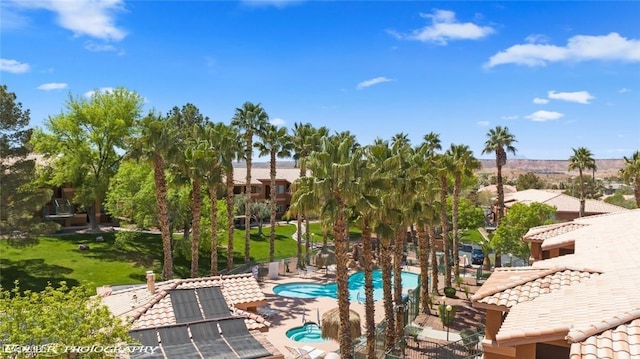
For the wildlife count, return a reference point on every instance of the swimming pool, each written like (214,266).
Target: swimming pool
(308,333)
(356,287)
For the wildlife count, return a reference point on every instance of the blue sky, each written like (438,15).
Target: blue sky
(558,74)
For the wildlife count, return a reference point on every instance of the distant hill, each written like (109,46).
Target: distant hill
(515,166)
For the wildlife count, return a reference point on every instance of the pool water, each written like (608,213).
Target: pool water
(308,333)
(356,287)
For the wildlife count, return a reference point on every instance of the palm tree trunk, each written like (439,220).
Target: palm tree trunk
(163,215)
(272,204)
(443,224)
(397,280)
(247,199)
(636,190)
(432,258)
(299,215)
(213,199)
(498,260)
(454,219)
(342,280)
(369,309)
(230,215)
(196,197)
(423,253)
(307,240)
(582,200)
(386,267)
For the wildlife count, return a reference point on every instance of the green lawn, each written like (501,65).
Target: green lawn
(471,236)
(57,258)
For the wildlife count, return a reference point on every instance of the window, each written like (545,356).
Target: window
(280,189)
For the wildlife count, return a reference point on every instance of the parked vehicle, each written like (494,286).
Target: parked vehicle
(477,256)
(466,248)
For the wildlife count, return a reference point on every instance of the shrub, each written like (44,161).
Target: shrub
(486,275)
(450,292)
(467,291)
(447,318)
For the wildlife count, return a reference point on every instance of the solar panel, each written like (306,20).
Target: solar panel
(207,338)
(176,343)
(185,305)
(237,335)
(147,337)
(213,303)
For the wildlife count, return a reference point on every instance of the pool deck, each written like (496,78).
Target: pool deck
(289,311)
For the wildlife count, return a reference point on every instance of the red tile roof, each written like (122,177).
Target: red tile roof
(597,313)
(146,310)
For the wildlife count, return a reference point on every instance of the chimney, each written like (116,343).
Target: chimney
(151,282)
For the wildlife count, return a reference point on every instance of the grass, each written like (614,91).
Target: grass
(471,236)
(57,258)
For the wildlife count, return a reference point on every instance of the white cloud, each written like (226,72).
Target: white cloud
(93,47)
(444,28)
(277,122)
(374,81)
(483,123)
(52,86)
(536,39)
(578,48)
(624,90)
(582,97)
(540,101)
(13,66)
(94,18)
(88,94)
(509,118)
(542,116)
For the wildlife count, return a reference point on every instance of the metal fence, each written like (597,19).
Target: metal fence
(410,347)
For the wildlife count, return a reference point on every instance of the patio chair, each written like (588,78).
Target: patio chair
(267,312)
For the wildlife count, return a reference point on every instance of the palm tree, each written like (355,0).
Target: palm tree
(252,119)
(213,180)
(431,144)
(336,175)
(231,148)
(499,141)
(631,174)
(582,159)
(445,168)
(306,139)
(153,143)
(276,143)
(376,181)
(463,166)
(196,159)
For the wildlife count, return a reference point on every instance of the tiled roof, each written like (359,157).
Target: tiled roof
(264,174)
(146,310)
(622,341)
(598,313)
(541,233)
(517,289)
(562,202)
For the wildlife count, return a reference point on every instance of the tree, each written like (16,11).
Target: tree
(431,143)
(582,159)
(464,164)
(445,167)
(499,141)
(306,139)
(59,317)
(85,144)
(153,142)
(19,197)
(252,119)
(213,180)
(189,165)
(276,143)
(529,180)
(618,199)
(631,174)
(335,179)
(231,148)
(520,218)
